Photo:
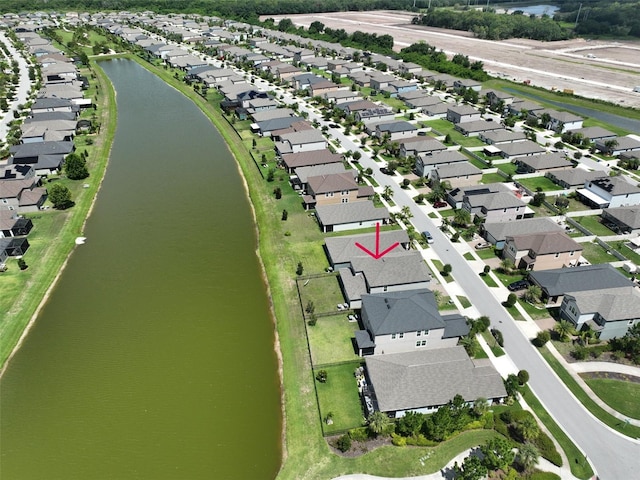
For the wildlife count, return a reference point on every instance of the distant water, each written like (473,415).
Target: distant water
(153,358)
(538,10)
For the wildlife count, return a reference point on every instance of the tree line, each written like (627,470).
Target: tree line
(602,17)
(487,24)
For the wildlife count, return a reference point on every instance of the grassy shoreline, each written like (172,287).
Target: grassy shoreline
(53,237)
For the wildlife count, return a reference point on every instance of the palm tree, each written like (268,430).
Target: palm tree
(462,217)
(470,344)
(507,265)
(611,144)
(377,422)
(387,193)
(564,328)
(527,428)
(528,456)
(406,212)
(533,294)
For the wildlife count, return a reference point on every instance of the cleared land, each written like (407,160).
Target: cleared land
(610,76)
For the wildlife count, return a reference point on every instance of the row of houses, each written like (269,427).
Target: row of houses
(47,136)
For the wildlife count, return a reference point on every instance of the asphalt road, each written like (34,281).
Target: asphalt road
(612,455)
(22,92)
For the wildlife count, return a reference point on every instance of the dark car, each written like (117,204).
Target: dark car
(334,125)
(519,285)
(440,204)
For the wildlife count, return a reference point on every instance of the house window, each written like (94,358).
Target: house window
(418,333)
(344,192)
(504,211)
(421,343)
(345,200)
(5,201)
(393,336)
(571,253)
(418,343)
(630,322)
(401,335)
(557,255)
(384,288)
(426,332)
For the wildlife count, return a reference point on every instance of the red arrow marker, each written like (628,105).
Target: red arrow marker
(378,253)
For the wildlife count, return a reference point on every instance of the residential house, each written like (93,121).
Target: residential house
(543,163)
(475,128)
(395,129)
(59,73)
(414,146)
(497,207)
(404,321)
(302,174)
(13,225)
(409,67)
(521,107)
(304,141)
(542,251)
(426,163)
(350,216)
(266,127)
(320,88)
(595,133)
(559,122)
(341,250)
(456,196)
(461,85)
(380,81)
(22,195)
(43,105)
(334,188)
(13,247)
(610,312)
(421,99)
(424,380)
(271,114)
(606,192)
(494,137)
(462,113)
(305,80)
(556,283)
(437,110)
(520,149)
(497,232)
(618,145)
(358,106)
(374,115)
(398,87)
(622,219)
(499,100)
(397,271)
(342,96)
(457,174)
(307,159)
(572,178)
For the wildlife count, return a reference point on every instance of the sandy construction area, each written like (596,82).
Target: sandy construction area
(595,69)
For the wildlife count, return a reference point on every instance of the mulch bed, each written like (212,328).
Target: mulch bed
(358,448)
(610,376)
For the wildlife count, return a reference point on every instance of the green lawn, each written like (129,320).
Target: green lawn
(450,212)
(579,467)
(533,311)
(620,395)
(592,223)
(534,183)
(339,395)
(469,256)
(489,281)
(596,254)
(493,345)
(515,313)
(464,301)
(487,253)
(324,292)
(445,127)
(439,265)
(478,163)
(330,340)
(618,425)
(492,178)
(508,168)
(627,252)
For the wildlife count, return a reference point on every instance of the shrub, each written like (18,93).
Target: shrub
(360,434)
(321,376)
(312,320)
(278,193)
(523,377)
(486,270)
(405,183)
(497,334)
(446,269)
(299,269)
(511,300)
(22,264)
(580,353)
(285,215)
(343,443)
(420,441)
(398,440)
(542,338)
(489,420)
(547,449)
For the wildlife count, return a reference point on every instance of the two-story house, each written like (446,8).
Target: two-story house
(605,192)
(610,312)
(497,207)
(303,141)
(404,321)
(333,188)
(542,251)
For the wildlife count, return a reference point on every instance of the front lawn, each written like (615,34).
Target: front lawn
(596,254)
(620,395)
(339,396)
(487,253)
(330,339)
(464,301)
(533,183)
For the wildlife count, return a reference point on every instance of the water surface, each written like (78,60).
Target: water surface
(153,358)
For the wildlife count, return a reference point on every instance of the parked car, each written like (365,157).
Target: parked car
(482,245)
(440,204)
(427,236)
(519,285)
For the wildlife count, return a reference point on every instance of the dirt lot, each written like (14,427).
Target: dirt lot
(611,75)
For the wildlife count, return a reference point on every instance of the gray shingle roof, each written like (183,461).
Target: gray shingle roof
(613,304)
(574,177)
(501,230)
(499,136)
(343,249)
(526,147)
(455,326)
(494,201)
(363,211)
(397,269)
(333,182)
(615,185)
(458,169)
(579,279)
(546,161)
(425,378)
(315,157)
(444,156)
(630,216)
(305,173)
(545,243)
(408,311)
